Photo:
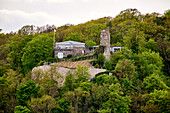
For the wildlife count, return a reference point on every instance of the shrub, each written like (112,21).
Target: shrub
(21,109)
(101,59)
(96,66)
(50,59)
(108,65)
(101,73)
(40,63)
(69,55)
(93,62)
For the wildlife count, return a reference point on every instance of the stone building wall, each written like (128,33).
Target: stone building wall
(77,51)
(66,52)
(105,41)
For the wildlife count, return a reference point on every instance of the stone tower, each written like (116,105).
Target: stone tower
(105,41)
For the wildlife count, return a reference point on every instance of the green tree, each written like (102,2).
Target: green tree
(148,63)
(49,80)
(8,86)
(153,82)
(45,104)
(21,109)
(37,50)
(108,65)
(125,69)
(74,37)
(24,92)
(152,45)
(16,45)
(134,40)
(98,93)
(116,102)
(92,31)
(69,83)
(159,99)
(4,67)
(4,90)
(15,50)
(105,79)
(125,53)
(167,12)
(90,43)
(82,74)
(26,30)
(129,14)
(78,99)
(101,59)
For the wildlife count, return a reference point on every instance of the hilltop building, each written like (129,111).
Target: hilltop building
(63,49)
(70,48)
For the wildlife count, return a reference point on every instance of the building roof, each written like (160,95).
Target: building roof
(69,43)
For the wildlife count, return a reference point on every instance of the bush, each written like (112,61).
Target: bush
(101,59)
(96,66)
(90,43)
(21,109)
(50,59)
(108,65)
(56,59)
(101,73)
(93,62)
(40,63)
(69,55)
(99,50)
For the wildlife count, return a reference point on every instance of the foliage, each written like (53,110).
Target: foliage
(69,82)
(40,63)
(51,59)
(4,83)
(153,82)
(125,53)
(21,109)
(108,65)
(134,40)
(105,79)
(152,45)
(116,101)
(96,66)
(74,37)
(82,74)
(101,59)
(3,67)
(149,62)
(49,80)
(90,43)
(44,104)
(69,56)
(37,50)
(125,69)
(136,80)
(24,92)
(158,99)
(76,99)
(93,62)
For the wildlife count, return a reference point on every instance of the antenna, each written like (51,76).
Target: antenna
(54,38)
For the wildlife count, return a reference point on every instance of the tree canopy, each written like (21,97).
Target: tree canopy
(136,78)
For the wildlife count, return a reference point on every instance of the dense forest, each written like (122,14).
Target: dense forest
(140,71)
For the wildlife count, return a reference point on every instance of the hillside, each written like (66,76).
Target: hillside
(139,73)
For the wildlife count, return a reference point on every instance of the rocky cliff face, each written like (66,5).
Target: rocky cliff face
(47,69)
